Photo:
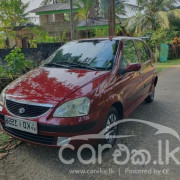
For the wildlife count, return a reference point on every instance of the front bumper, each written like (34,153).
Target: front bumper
(48,134)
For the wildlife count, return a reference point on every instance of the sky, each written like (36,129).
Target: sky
(33,4)
(36,3)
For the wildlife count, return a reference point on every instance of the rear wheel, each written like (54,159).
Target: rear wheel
(111,118)
(150,98)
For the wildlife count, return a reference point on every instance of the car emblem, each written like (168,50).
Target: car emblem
(21,110)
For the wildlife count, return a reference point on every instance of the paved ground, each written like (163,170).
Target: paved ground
(28,162)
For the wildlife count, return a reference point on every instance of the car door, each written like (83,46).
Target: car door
(147,66)
(131,85)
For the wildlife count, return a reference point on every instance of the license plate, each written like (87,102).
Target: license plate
(20,124)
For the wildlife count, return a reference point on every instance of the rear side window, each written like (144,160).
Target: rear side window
(129,55)
(144,51)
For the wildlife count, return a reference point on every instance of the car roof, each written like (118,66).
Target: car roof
(112,38)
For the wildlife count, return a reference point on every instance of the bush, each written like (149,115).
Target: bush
(4,82)
(158,37)
(40,35)
(16,65)
(175,48)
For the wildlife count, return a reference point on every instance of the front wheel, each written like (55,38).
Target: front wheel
(150,98)
(111,118)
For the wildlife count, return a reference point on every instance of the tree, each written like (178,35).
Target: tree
(72,20)
(12,13)
(104,8)
(119,8)
(156,14)
(174,19)
(84,7)
(112,23)
(112,10)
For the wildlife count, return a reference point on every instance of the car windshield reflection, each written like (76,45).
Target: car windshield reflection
(86,54)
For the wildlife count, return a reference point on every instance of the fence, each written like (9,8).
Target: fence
(43,51)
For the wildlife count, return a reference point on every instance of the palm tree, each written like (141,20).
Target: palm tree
(108,11)
(104,7)
(153,14)
(174,19)
(119,8)
(84,7)
(72,19)
(112,23)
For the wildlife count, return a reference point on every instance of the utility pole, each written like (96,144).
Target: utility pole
(72,20)
(112,23)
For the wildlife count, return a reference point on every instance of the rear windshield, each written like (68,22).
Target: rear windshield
(98,54)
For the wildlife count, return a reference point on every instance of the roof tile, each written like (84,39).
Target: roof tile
(53,7)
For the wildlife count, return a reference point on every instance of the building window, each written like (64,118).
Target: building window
(66,16)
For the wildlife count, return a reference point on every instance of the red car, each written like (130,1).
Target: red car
(85,86)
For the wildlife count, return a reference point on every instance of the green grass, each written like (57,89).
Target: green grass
(4,138)
(6,143)
(167,64)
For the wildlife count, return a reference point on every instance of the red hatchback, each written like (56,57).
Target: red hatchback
(85,86)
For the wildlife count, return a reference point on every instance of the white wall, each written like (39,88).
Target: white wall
(33,5)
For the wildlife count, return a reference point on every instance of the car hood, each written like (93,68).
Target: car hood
(51,85)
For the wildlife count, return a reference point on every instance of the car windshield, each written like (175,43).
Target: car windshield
(85,54)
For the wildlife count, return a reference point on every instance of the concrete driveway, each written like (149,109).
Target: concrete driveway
(28,162)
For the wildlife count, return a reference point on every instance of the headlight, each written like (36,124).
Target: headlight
(2,97)
(75,108)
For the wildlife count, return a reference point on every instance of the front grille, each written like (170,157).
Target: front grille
(49,140)
(25,110)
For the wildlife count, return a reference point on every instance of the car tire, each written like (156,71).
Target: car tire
(150,98)
(111,118)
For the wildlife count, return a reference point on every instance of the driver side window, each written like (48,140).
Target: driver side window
(129,54)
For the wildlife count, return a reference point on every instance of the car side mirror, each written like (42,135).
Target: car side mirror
(133,67)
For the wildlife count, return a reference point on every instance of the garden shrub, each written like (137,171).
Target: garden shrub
(15,65)
(161,36)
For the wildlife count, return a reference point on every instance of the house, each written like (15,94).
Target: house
(33,19)
(56,18)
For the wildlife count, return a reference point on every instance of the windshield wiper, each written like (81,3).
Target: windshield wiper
(103,69)
(80,66)
(56,65)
